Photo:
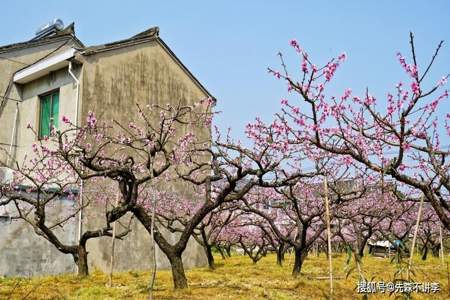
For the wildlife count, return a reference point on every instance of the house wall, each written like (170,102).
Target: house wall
(113,83)
(11,62)
(29,108)
(24,253)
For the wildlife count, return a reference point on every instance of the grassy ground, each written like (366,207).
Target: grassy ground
(234,278)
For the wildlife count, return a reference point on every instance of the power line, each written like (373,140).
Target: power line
(11,99)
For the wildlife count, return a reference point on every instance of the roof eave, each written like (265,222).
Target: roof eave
(45,41)
(44,67)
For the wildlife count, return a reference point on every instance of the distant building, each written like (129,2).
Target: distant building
(381,248)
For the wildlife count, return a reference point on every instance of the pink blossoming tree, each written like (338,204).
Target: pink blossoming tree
(402,142)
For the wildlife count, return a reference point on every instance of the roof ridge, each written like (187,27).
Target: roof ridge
(67,32)
(152,31)
(149,34)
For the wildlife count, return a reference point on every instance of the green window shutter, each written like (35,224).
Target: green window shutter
(44,126)
(55,109)
(49,116)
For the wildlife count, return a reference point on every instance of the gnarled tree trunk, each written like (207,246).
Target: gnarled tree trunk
(173,252)
(362,245)
(178,274)
(300,255)
(280,254)
(221,252)
(210,257)
(80,258)
(228,250)
(424,252)
(208,249)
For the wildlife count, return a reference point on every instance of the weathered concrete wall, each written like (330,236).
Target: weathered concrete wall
(29,108)
(11,62)
(113,83)
(24,253)
(134,251)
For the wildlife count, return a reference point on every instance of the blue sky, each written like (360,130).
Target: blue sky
(229,44)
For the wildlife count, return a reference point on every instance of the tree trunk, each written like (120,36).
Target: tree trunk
(209,256)
(361,249)
(300,255)
(207,248)
(178,275)
(435,250)
(424,253)
(280,255)
(228,250)
(81,261)
(173,252)
(221,252)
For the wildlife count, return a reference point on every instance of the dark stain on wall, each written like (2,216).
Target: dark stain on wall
(144,79)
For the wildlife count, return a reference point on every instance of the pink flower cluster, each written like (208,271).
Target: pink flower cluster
(409,69)
(91,120)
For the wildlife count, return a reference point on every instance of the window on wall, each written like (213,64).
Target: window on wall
(49,113)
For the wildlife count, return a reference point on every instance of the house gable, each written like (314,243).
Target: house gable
(141,71)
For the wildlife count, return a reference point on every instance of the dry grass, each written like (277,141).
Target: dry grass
(234,278)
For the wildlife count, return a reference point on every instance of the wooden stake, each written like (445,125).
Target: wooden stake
(152,231)
(441,249)
(80,214)
(113,242)
(413,245)
(327,215)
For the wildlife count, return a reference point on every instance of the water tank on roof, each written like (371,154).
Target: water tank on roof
(49,28)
